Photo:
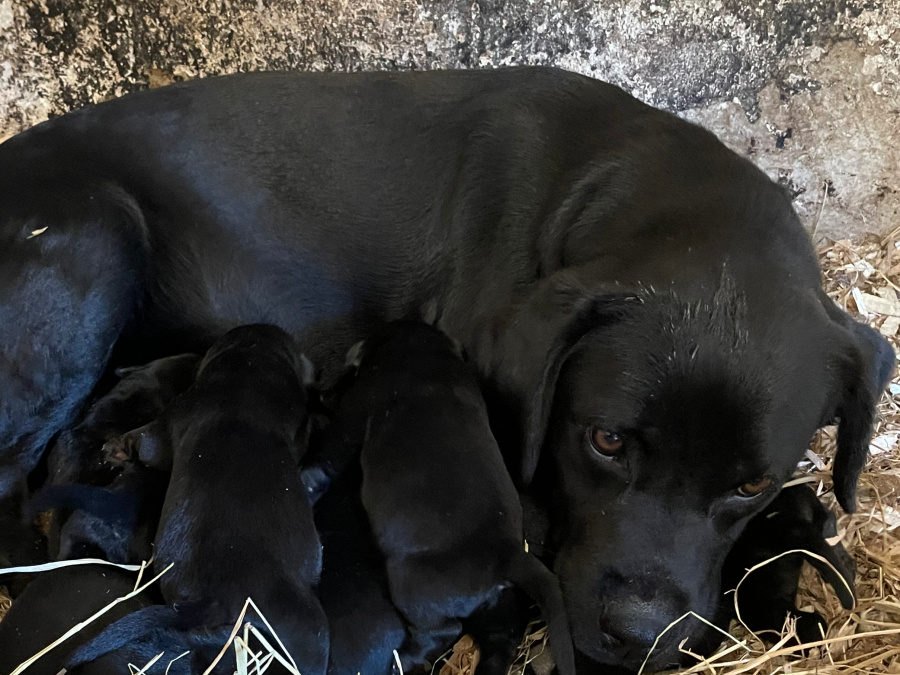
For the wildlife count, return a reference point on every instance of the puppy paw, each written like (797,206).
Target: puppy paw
(811,626)
(120,450)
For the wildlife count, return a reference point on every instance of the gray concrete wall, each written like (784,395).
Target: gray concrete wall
(809,89)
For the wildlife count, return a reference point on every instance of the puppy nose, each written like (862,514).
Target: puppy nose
(636,622)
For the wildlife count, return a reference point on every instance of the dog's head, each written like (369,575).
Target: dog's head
(659,423)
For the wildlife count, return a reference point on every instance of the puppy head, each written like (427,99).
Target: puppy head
(795,520)
(658,426)
(256,346)
(394,339)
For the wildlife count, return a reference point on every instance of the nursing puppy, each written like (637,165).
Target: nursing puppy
(795,520)
(158,633)
(117,522)
(364,625)
(139,396)
(440,501)
(236,519)
(57,601)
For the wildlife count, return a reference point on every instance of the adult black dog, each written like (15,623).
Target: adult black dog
(440,501)
(236,520)
(643,302)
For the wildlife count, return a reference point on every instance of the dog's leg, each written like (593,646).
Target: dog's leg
(70,285)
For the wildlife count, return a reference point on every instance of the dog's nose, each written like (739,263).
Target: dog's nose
(636,622)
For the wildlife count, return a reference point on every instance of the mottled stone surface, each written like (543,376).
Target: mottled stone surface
(809,89)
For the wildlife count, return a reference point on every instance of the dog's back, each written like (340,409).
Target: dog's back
(236,518)
(429,453)
(438,495)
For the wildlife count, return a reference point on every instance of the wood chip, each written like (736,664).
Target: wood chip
(872,304)
(158,78)
(883,443)
(890,326)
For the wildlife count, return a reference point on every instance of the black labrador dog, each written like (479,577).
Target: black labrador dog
(531,206)
(441,503)
(236,520)
(57,601)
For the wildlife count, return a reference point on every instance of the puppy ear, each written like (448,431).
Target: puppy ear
(355,355)
(307,371)
(864,370)
(525,349)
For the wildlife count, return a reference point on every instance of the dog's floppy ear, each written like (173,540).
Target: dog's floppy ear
(527,348)
(590,313)
(864,368)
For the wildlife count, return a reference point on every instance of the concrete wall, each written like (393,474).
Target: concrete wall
(809,89)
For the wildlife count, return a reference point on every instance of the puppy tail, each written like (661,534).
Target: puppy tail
(533,577)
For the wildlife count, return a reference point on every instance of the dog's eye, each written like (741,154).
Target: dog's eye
(605,442)
(755,488)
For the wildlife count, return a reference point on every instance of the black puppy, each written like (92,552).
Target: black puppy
(796,519)
(139,638)
(365,626)
(57,601)
(442,506)
(236,520)
(138,398)
(108,519)
(115,523)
